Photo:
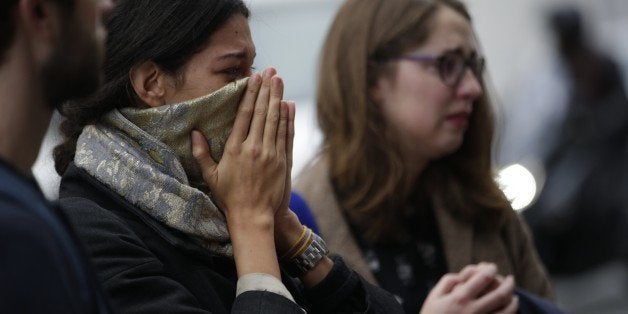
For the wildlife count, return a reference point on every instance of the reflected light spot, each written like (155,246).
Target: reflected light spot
(518,185)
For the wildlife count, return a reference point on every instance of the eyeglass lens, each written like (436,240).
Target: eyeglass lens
(452,67)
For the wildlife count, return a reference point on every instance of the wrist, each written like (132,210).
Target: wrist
(318,273)
(305,254)
(288,230)
(249,221)
(254,246)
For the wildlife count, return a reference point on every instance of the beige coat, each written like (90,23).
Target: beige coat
(511,248)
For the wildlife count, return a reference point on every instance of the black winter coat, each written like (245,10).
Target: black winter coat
(147,267)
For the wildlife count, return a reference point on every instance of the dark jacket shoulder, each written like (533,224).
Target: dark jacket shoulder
(42,269)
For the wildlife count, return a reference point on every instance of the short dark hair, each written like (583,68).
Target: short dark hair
(165,32)
(7,23)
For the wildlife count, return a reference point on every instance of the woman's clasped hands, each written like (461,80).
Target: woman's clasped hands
(476,289)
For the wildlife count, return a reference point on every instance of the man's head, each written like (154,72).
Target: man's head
(65,39)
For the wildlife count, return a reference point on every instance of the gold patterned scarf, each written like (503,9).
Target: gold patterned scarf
(145,156)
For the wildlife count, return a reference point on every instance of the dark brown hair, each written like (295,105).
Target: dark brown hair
(165,32)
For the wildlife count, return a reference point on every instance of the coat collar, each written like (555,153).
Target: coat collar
(314,184)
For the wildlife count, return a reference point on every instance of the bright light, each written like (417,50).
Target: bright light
(518,185)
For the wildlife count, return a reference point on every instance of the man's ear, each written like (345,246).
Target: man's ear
(41,20)
(149,83)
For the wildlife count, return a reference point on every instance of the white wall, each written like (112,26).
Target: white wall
(288,35)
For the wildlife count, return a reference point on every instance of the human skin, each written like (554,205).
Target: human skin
(251,184)
(26,109)
(429,117)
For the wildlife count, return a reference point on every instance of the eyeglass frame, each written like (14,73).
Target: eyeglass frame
(475,63)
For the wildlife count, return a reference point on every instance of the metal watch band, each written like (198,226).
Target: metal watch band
(306,260)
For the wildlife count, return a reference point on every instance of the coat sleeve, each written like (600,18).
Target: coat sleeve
(531,274)
(344,291)
(136,281)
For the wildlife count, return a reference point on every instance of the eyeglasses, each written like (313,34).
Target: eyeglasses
(451,65)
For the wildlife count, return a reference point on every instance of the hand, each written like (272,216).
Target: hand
(476,289)
(249,181)
(290,105)
(287,225)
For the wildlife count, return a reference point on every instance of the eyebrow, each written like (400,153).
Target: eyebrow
(235,55)
(461,51)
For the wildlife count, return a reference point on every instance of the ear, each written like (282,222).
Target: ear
(41,21)
(150,83)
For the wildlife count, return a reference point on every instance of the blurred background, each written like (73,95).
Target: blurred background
(556,68)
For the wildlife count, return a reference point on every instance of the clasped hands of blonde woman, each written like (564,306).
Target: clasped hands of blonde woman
(477,289)
(251,183)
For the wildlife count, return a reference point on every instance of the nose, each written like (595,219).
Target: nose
(104,8)
(470,86)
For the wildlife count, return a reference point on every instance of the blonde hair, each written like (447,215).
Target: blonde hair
(365,160)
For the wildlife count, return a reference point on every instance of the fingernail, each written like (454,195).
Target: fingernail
(277,82)
(195,137)
(268,72)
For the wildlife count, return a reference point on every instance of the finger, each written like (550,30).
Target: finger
(471,269)
(245,110)
(290,140)
(498,298)
(512,308)
(200,151)
(282,129)
(261,105)
(478,282)
(468,271)
(446,284)
(273,117)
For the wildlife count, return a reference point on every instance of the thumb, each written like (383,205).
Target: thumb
(200,151)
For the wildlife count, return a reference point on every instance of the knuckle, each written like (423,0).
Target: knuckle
(245,109)
(252,89)
(460,297)
(260,110)
(447,278)
(273,117)
(231,150)
(255,151)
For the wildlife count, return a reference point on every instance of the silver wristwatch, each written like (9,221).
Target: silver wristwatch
(314,252)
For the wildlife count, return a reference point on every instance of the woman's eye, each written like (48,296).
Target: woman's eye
(238,72)
(235,72)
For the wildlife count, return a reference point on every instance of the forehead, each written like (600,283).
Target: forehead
(448,31)
(235,34)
